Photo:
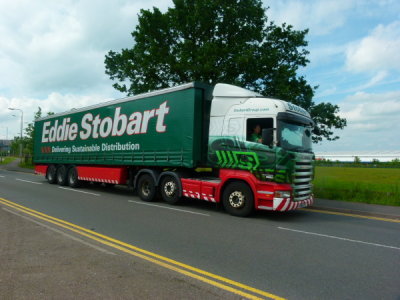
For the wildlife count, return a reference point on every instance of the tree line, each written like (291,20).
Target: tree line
(27,140)
(375,163)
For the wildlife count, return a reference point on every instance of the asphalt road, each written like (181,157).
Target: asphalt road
(296,255)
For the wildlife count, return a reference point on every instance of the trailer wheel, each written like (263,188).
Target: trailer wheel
(73,180)
(51,174)
(238,199)
(62,175)
(170,190)
(146,188)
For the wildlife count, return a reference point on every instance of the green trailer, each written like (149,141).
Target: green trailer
(168,128)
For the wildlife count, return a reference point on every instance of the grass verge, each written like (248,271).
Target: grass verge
(6,160)
(26,165)
(368,185)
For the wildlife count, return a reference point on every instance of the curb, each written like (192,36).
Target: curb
(20,170)
(13,166)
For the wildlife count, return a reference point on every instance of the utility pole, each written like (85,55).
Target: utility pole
(22,122)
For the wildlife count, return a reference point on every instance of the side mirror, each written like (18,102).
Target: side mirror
(267,136)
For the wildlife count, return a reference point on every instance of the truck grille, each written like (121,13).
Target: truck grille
(302,177)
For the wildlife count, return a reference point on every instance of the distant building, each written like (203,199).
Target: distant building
(5,145)
(364,156)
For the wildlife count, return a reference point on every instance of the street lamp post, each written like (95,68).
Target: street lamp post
(22,122)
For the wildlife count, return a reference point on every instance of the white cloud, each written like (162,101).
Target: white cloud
(321,17)
(376,79)
(376,52)
(367,107)
(60,46)
(54,102)
(320,53)
(372,123)
(52,53)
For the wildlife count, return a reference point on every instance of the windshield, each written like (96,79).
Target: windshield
(295,136)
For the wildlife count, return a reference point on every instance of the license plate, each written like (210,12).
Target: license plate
(301,205)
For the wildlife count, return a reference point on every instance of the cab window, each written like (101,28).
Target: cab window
(252,123)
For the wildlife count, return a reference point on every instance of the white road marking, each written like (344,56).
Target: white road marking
(28,181)
(176,209)
(61,232)
(74,190)
(2,176)
(340,238)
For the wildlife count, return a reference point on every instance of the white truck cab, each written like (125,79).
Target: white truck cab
(236,111)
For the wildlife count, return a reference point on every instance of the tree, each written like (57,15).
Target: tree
(229,41)
(30,132)
(14,147)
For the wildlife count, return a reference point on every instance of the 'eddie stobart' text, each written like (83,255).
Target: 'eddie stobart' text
(96,127)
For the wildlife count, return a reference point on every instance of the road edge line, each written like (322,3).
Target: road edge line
(347,214)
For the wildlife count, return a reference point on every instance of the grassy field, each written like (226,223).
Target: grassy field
(7,159)
(368,185)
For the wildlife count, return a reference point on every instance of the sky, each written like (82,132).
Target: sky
(52,56)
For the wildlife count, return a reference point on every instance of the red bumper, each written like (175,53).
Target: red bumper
(284,204)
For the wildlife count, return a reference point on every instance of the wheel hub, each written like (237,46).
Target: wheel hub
(170,188)
(236,199)
(146,189)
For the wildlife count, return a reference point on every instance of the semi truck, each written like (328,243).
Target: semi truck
(222,144)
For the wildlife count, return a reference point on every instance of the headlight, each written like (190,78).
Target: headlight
(282,194)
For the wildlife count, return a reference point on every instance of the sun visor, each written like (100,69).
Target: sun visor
(227,90)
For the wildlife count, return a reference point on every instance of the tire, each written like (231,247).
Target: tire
(72,178)
(51,174)
(238,199)
(170,190)
(61,175)
(146,188)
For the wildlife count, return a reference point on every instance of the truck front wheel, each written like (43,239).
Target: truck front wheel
(51,174)
(170,190)
(62,175)
(146,188)
(238,199)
